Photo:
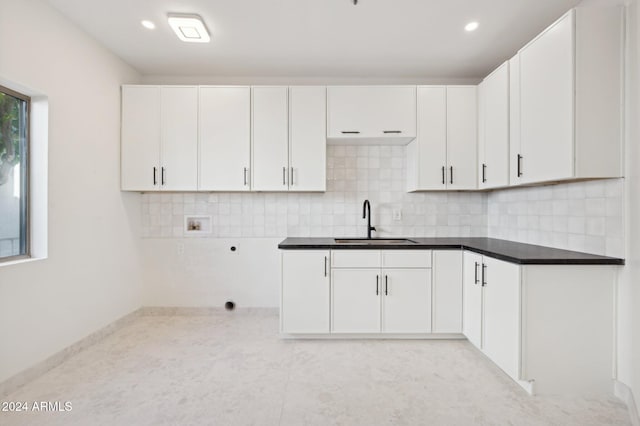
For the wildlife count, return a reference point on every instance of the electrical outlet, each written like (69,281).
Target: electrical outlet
(397,214)
(180,249)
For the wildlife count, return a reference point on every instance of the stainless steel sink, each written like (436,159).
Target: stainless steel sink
(376,241)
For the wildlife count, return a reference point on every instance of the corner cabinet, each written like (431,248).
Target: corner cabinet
(371,114)
(549,327)
(444,154)
(493,129)
(566,99)
(159,141)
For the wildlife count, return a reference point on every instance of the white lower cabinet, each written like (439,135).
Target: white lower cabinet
(501,314)
(355,301)
(374,291)
(371,292)
(305,291)
(492,309)
(447,291)
(549,327)
(406,298)
(472,302)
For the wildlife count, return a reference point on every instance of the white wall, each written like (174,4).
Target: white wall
(629,284)
(92,275)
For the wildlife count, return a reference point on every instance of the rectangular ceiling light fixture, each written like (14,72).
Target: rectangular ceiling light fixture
(189,28)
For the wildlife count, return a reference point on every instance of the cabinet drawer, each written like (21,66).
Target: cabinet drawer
(355,258)
(406,258)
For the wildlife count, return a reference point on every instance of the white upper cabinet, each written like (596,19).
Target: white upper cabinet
(307,138)
(371,114)
(225,138)
(160,138)
(569,110)
(444,154)
(462,137)
(269,117)
(140,152)
(493,129)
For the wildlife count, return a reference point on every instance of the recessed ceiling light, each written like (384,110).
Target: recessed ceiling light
(471,26)
(148,24)
(189,28)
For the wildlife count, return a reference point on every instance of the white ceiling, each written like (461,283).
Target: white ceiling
(311,38)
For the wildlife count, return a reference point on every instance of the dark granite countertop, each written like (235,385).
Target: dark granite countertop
(509,251)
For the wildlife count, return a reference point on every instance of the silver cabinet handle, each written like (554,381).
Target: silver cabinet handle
(291,178)
(350,132)
(155,176)
(451,175)
(476,280)
(377,285)
(162,182)
(284,176)
(443,175)
(245,176)
(392,131)
(386,285)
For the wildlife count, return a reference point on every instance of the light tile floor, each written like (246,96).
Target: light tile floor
(233,369)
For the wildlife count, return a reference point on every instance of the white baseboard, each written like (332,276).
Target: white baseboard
(201,311)
(17,381)
(623,392)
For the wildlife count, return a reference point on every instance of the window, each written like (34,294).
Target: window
(14,183)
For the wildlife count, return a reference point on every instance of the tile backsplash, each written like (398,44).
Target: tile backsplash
(582,216)
(376,173)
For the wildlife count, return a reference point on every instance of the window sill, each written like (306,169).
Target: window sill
(20,261)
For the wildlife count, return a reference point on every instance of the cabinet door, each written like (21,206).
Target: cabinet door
(307,138)
(546,104)
(501,314)
(447,291)
(225,138)
(372,112)
(462,137)
(482,155)
(179,149)
(355,300)
(396,112)
(406,300)
(515,149)
(305,291)
(494,103)
(472,302)
(140,151)
(270,139)
(431,142)
(351,109)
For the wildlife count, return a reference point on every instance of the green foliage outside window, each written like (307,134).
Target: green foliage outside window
(10,134)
